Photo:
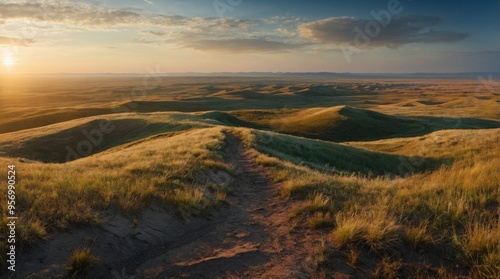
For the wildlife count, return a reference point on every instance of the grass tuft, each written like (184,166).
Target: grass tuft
(382,234)
(30,231)
(316,202)
(349,230)
(320,255)
(81,262)
(353,256)
(387,269)
(418,236)
(320,220)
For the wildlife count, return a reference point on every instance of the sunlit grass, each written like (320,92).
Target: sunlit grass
(447,204)
(160,171)
(320,220)
(81,262)
(451,211)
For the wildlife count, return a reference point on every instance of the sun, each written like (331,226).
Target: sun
(8,60)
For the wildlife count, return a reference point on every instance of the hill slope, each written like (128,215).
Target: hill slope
(344,123)
(73,139)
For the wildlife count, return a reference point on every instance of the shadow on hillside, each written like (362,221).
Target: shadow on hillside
(332,157)
(90,138)
(341,124)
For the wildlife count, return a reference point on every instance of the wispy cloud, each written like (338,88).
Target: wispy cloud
(84,15)
(154,33)
(94,17)
(241,45)
(401,30)
(15,41)
(276,34)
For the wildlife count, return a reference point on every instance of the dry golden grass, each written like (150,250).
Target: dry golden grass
(436,193)
(81,262)
(320,220)
(54,99)
(377,230)
(451,211)
(50,143)
(314,203)
(162,171)
(345,123)
(387,269)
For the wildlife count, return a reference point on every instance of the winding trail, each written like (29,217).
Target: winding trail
(254,240)
(249,238)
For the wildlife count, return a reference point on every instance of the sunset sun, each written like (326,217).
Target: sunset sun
(8,60)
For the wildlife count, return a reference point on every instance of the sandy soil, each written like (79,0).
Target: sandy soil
(249,238)
(254,241)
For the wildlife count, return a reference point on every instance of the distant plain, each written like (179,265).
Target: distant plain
(371,178)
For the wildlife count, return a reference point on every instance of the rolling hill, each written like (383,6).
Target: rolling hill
(345,123)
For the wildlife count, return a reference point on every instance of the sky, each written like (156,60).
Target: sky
(176,36)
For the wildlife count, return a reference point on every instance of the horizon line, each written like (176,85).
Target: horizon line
(255,72)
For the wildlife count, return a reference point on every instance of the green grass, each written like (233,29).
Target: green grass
(50,143)
(450,211)
(329,157)
(158,171)
(436,193)
(345,123)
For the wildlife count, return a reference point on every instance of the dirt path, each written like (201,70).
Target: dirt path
(254,241)
(249,238)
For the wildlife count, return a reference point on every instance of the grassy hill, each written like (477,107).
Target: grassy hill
(87,136)
(344,123)
(328,156)
(164,159)
(128,177)
(450,144)
(370,171)
(449,214)
(74,139)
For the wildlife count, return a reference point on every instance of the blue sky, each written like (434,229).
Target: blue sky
(243,35)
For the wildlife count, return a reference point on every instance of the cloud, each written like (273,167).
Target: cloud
(200,33)
(93,17)
(15,41)
(241,45)
(83,15)
(401,30)
(154,33)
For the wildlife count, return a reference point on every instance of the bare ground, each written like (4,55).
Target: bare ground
(254,241)
(250,238)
